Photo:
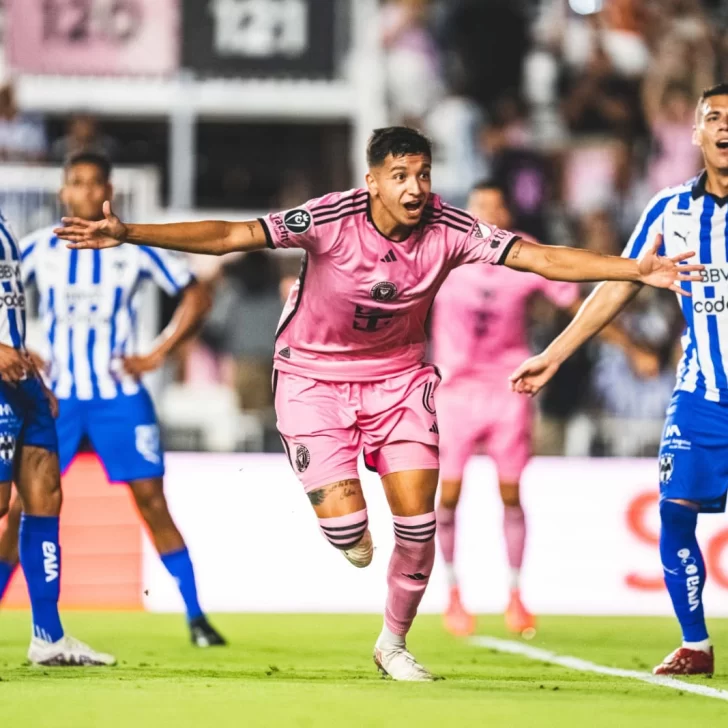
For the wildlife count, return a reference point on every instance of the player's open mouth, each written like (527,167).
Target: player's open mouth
(412,207)
(722,144)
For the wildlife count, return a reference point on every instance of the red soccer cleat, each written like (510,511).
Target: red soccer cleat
(518,619)
(457,620)
(684,661)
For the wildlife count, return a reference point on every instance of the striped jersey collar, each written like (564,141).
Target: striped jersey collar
(699,190)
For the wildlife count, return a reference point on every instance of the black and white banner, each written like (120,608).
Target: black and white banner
(259,38)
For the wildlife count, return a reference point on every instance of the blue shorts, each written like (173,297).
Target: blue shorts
(694,452)
(123,431)
(25,419)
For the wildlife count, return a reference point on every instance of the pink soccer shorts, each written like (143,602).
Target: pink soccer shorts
(470,413)
(325,425)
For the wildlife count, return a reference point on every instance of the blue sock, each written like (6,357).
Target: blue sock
(179,565)
(684,568)
(6,572)
(40,557)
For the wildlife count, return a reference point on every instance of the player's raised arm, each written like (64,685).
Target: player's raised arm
(571,264)
(603,305)
(210,237)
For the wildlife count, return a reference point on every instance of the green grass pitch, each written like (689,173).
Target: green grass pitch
(316,670)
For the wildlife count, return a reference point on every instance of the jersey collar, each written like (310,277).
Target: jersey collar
(699,190)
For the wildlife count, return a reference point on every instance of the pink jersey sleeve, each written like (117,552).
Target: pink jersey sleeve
(306,226)
(483,243)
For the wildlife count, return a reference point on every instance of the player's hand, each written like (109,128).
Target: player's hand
(138,365)
(533,374)
(13,365)
(644,363)
(80,233)
(37,361)
(661,272)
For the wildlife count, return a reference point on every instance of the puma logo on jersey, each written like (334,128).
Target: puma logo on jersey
(50,560)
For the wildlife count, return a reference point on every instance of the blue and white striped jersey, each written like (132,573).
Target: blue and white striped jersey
(690,218)
(88,306)
(12,295)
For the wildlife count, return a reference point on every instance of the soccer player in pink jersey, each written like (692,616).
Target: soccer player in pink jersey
(350,373)
(479,336)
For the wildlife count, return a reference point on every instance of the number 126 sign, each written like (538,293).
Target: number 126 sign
(93,37)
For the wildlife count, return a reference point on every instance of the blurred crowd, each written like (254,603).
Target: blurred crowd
(581,109)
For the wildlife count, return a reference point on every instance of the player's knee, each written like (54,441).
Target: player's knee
(345,532)
(450,494)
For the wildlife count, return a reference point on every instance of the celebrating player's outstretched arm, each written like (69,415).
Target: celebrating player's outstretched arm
(571,264)
(209,237)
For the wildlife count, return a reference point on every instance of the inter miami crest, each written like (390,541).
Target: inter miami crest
(7,447)
(297,221)
(667,465)
(384,291)
(303,458)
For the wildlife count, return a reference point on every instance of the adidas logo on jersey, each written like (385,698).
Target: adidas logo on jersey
(435,428)
(285,353)
(50,561)
(390,257)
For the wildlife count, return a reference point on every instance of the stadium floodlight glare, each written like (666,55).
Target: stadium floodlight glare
(586,7)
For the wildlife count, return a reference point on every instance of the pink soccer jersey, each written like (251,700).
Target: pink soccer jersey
(359,310)
(480,317)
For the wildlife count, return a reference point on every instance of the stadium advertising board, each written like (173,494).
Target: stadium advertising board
(88,37)
(256,546)
(257,38)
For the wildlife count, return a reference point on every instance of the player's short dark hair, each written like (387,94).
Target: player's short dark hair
(720,89)
(397,141)
(102,162)
(488,183)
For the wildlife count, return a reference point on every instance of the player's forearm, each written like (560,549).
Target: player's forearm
(209,237)
(194,306)
(572,264)
(594,316)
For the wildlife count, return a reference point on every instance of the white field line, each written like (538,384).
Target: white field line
(574,663)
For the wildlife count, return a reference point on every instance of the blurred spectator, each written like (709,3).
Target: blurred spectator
(524,172)
(83,134)
(484,44)
(22,137)
(412,62)
(242,323)
(455,126)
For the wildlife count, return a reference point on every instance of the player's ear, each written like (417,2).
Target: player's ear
(371,184)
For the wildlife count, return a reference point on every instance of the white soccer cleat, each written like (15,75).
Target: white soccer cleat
(67,652)
(400,664)
(361,554)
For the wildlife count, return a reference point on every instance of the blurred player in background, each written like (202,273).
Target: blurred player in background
(479,327)
(29,456)
(693,464)
(349,361)
(88,308)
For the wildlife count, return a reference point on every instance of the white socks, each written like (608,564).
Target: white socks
(703,645)
(390,641)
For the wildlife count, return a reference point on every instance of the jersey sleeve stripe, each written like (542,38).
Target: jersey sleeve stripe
(268,237)
(162,267)
(451,225)
(27,251)
(357,196)
(651,216)
(318,214)
(341,215)
(457,212)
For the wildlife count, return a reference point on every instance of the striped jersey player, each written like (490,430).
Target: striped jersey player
(349,359)
(693,459)
(29,457)
(89,309)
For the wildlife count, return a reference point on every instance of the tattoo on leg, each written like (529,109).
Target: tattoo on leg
(345,489)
